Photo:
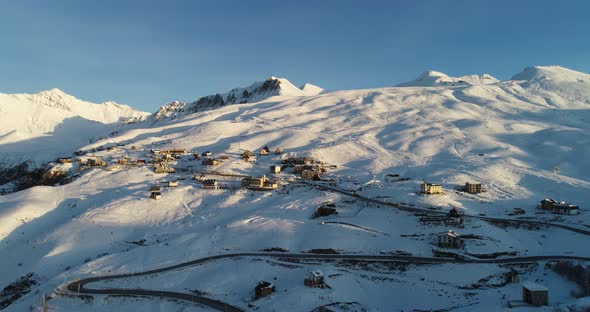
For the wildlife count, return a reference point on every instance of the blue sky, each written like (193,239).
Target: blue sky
(145,53)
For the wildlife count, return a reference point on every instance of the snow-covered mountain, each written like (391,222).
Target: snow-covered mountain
(26,116)
(556,85)
(524,139)
(258,91)
(433,78)
(37,128)
(310,89)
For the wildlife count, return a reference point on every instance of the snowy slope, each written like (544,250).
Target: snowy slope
(557,85)
(310,89)
(49,124)
(525,140)
(433,78)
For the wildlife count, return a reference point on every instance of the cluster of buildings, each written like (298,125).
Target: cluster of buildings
(156,190)
(437,188)
(314,279)
(307,167)
(548,204)
(556,207)
(248,155)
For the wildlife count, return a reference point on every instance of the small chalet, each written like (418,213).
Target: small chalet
(206,153)
(264,151)
(210,184)
(450,239)
(155,195)
(263,289)
(453,217)
(430,188)
(535,294)
(275,168)
(314,279)
(279,151)
(473,188)
(210,162)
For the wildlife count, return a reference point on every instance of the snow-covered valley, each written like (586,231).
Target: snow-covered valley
(524,140)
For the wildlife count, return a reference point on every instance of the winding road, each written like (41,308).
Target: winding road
(406,207)
(409,208)
(78,287)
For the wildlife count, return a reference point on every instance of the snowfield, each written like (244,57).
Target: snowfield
(525,139)
(41,127)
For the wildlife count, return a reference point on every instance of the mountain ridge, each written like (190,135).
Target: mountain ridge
(257,91)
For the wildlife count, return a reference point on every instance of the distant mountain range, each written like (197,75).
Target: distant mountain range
(258,91)
(38,128)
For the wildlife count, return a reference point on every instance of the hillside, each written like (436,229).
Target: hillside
(39,128)
(433,78)
(51,123)
(524,139)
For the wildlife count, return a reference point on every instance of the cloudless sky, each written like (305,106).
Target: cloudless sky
(145,53)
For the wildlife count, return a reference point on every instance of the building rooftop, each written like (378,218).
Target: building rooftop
(533,286)
(452,233)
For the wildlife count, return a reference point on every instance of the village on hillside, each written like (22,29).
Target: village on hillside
(267,170)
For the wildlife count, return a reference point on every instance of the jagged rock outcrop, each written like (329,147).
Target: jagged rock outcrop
(258,91)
